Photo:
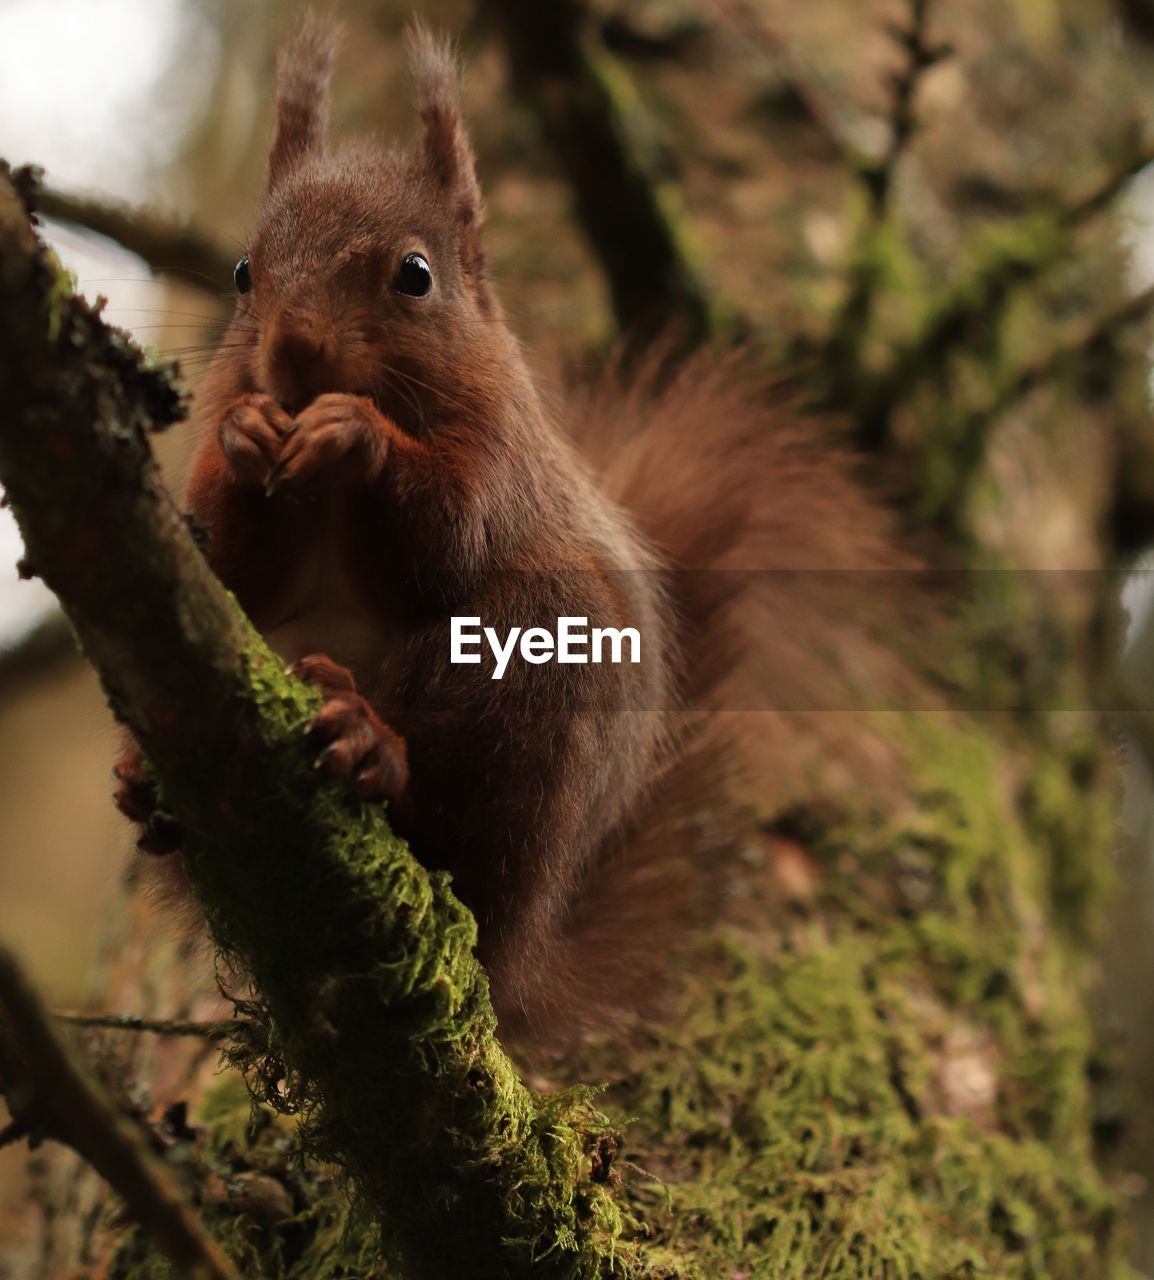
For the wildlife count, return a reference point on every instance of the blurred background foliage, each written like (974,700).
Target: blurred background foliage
(936,223)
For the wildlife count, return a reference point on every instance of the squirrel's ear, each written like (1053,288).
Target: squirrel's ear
(302,96)
(444,144)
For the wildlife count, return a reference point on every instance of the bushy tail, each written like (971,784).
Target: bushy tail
(796,607)
(791,600)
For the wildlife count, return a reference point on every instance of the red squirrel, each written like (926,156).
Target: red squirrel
(376,459)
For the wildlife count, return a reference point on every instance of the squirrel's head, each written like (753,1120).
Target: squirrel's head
(366,272)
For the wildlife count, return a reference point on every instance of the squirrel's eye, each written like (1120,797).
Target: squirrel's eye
(242,276)
(413,276)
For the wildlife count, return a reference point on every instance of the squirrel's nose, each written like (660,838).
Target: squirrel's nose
(295,351)
(297,366)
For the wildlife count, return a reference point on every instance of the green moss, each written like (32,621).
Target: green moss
(1070,806)
(59,294)
(793,1124)
(374,1024)
(901,1089)
(896,1089)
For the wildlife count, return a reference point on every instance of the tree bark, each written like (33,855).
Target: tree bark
(580,103)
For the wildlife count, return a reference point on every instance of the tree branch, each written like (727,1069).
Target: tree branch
(750,19)
(920,56)
(974,304)
(221,1029)
(966,441)
(50,1094)
(168,247)
(378,1011)
(577,98)
(850,330)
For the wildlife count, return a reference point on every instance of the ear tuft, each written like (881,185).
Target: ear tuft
(437,80)
(302,101)
(444,145)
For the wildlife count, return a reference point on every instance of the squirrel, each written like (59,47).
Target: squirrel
(376,459)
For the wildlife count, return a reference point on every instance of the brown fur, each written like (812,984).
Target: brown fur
(585,812)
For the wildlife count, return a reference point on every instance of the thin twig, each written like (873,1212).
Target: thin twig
(920,56)
(220,1029)
(168,247)
(48,1089)
(842,356)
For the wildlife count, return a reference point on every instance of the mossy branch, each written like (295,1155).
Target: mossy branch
(378,1014)
(1090,355)
(578,98)
(169,248)
(974,304)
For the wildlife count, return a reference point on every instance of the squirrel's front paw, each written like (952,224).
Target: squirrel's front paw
(135,797)
(251,435)
(353,741)
(336,431)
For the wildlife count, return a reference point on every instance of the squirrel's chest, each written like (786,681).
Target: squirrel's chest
(323,610)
